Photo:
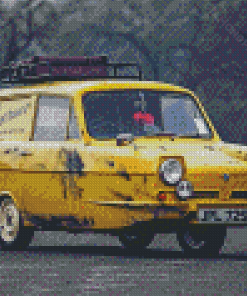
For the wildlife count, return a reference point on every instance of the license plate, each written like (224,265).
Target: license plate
(222,215)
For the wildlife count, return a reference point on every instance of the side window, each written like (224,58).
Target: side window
(51,121)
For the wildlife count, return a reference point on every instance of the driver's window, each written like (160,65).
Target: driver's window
(52,118)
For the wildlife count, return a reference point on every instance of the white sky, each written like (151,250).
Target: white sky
(11,3)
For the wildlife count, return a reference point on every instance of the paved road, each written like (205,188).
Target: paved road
(58,263)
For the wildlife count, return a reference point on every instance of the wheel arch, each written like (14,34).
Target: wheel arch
(9,194)
(4,194)
(23,215)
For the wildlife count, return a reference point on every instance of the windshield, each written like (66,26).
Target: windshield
(142,113)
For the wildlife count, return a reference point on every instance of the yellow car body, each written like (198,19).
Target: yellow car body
(118,185)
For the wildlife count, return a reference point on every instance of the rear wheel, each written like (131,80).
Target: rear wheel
(201,241)
(13,234)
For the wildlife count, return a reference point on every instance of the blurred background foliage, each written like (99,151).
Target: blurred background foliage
(198,44)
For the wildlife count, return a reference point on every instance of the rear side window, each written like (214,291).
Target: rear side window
(52,117)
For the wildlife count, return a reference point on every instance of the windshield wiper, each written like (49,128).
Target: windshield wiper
(163,134)
(188,135)
(193,135)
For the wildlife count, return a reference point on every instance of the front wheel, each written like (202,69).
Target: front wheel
(201,241)
(135,240)
(13,234)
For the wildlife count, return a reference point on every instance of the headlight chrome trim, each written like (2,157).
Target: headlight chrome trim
(171,171)
(184,190)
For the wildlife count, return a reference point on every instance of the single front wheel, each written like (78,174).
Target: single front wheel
(201,241)
(135,240)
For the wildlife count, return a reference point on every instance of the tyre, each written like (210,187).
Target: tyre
(135,240)
(13,234)
(201,241)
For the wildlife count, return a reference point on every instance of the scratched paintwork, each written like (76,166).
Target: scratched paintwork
(43,181)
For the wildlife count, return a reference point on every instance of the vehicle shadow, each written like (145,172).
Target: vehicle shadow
(89,251)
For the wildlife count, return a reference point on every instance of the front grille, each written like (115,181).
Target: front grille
(239,194)
(205,194)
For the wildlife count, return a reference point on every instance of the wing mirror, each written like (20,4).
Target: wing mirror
(124,139)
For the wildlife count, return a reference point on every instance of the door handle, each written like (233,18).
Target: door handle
(17,152)
(122,138)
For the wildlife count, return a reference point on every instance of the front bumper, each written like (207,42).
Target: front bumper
(203,211)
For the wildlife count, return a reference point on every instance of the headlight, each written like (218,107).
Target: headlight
(171,171)
(184,190)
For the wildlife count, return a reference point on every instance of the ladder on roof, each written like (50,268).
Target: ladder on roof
(41,69)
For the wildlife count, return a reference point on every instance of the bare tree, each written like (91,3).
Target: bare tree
(21,11)
(149,25)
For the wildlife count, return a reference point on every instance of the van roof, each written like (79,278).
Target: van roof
(71,87)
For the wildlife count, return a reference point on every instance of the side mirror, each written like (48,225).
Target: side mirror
(124,139)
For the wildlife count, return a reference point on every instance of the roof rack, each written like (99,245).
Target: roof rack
(41,69)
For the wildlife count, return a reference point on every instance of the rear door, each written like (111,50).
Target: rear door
(43,167)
